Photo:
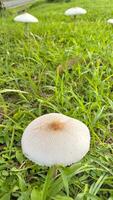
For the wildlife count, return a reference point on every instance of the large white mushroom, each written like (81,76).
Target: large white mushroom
(110,21)
(75,11)
(55,139)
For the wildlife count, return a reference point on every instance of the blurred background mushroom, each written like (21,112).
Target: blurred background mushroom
(26,18)
(110,21)
(73,12)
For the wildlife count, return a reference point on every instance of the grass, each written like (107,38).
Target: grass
(64,66)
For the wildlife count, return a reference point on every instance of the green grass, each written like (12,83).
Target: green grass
(37,77)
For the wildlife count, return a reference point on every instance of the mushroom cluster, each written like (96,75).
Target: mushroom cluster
(55,139)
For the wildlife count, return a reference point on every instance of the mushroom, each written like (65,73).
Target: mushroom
(75,11)
(55,139)
(26,18)
(110,21)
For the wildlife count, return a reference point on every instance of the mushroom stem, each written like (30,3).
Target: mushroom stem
(73,17)
(50,175)
(26,30)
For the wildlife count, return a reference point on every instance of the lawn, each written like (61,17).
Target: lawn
(65,66)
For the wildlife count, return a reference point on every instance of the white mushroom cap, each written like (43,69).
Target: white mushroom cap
(75,11)
(110,21)
(55,139)
(26,18)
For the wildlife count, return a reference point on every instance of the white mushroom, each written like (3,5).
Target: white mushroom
(55,139)
(110,21)
(75,11)
(26,18)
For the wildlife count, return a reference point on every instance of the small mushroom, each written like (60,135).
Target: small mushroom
(73,12)
(110,21)
(55,139)
(26,18)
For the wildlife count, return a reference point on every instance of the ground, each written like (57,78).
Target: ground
(57,65)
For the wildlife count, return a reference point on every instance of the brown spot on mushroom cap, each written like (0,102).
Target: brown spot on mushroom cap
(56,125)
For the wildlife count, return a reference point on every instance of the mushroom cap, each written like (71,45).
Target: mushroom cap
(75,11)
(55,139)
(26,18)
(110,21)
